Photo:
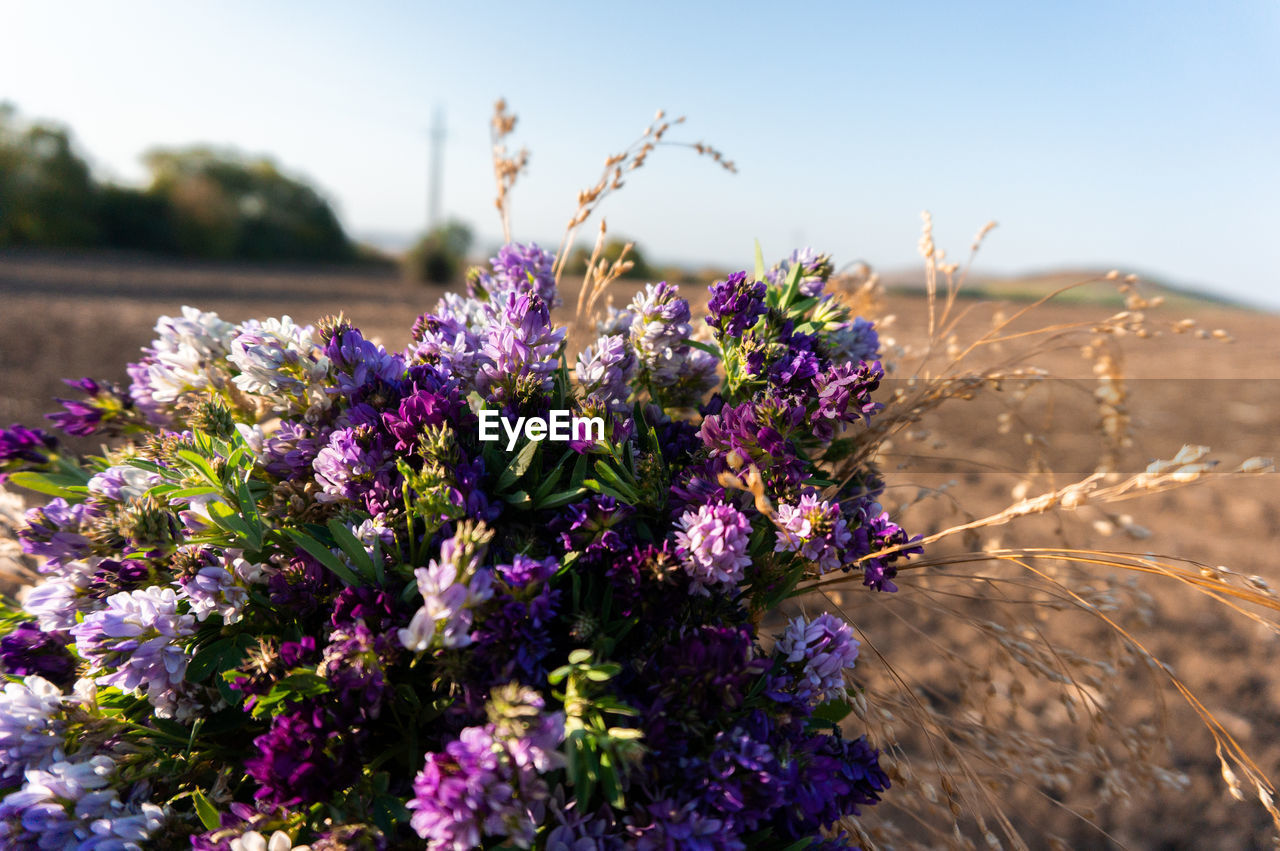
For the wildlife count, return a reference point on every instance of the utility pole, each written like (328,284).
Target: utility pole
(435,171)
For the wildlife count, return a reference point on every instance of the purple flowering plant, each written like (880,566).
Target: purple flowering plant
(301,595)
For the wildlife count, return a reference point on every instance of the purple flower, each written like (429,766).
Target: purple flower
(605,372)
(352,466)
(358,362)
(486,782)
(520,269)
(451,586)
(22,448)
(303,759)
(826,647)
(736,303)
(844,395)
(815,270)
(416,412)
(712,545)
(522,348)
(290,452)
(447,343)
(667,826)
(816,529)
(55,532)
(855,340)
(136,642)
(104,406)
(31,726)
(30,650)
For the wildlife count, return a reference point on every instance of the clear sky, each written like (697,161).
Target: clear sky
(1139,135)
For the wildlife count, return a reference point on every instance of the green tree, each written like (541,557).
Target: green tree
(47,195)
(438,257)
(226,204)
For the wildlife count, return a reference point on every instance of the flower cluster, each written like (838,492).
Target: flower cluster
(299,603)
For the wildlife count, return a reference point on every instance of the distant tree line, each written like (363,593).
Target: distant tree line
(201,202)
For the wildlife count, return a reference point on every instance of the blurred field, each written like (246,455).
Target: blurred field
(72,316)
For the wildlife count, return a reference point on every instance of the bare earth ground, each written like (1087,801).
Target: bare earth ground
(72,316)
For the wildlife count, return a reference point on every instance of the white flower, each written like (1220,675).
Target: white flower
(281,362)
(30,732)
(254,841)
(189,354)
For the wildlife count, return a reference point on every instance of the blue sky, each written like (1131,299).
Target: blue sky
(1138,135)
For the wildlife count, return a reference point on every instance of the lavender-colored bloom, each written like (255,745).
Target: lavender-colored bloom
(55,532)
(712,546)
(136,641)
(605,372)
(736,304)
(22,448)
(451,586)
(290,452)
(188,355)
(519,269)
(71,805)
(31,728)
(124,832)
(855,340)
(815,271)
(814,528)
(122,483)
(844,395)
(358,362)
(486,782)
(447,342)
(826,647)
(281,362)
(30,650)
(221,588)
(521,348)
(661,320)
(615,322)
(351,465)
(55,602)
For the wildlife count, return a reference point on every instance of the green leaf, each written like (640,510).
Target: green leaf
(351,545)
(207,812)
(579,471)
(577,657)
(834,711)
(759,262)
(51,484)
(556,500)
(518,467)
(207,660)
(228,518)
(321,553)
(520,499)
(201,464)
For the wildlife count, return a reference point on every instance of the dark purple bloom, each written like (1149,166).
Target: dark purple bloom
(30,650)
(417,411)
(22,447)
(359,363)
(736,303)
(305,758)
(844,395)
(104,404)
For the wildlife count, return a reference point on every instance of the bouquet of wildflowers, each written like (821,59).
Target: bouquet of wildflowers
(472,594)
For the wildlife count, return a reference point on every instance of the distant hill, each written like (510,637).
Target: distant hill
(1036,285)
